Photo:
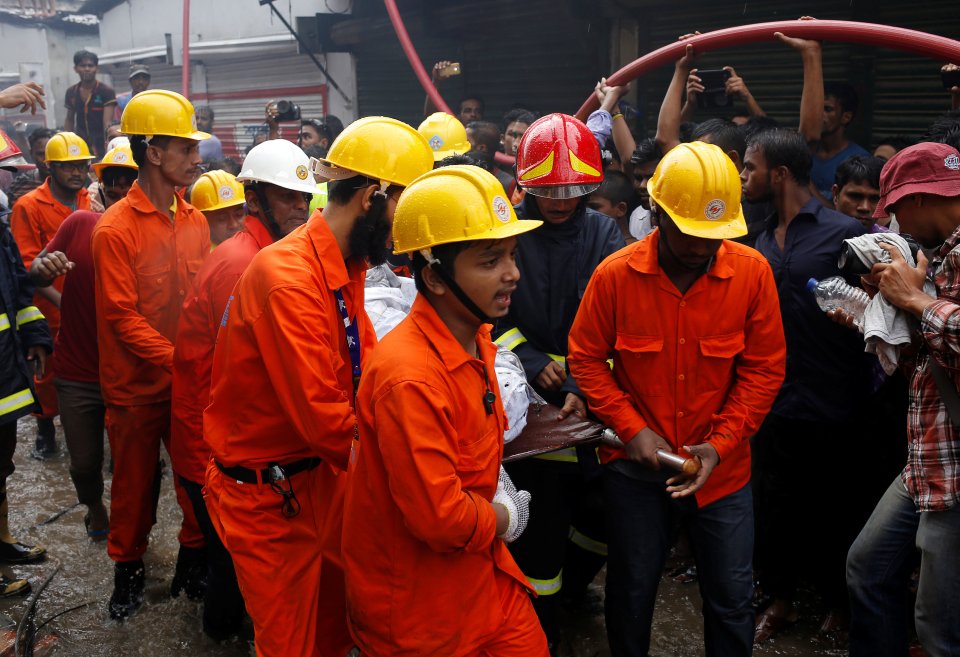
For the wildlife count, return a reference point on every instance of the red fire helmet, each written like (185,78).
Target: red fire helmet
(558,157)
(11,158)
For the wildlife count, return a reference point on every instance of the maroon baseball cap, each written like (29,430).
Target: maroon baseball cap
(925,168)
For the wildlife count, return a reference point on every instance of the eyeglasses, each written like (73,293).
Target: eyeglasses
(81,166)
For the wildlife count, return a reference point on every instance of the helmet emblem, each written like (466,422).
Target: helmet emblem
(73,149)
(302,172)
(501,208)
(436,143)
(226,193)
(714,209)
(952,162)
(120,157)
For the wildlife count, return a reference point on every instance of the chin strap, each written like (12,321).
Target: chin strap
(266,214)
(458,292)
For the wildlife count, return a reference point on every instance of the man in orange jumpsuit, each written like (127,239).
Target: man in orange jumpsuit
(277,201)
(147,249)
(35,219)
(281,416)
(428,508)
(691,321)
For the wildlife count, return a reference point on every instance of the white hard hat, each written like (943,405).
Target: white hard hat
(281,163)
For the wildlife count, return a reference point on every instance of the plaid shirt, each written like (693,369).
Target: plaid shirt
(932,473)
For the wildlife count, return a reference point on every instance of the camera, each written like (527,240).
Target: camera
(851,264)
(287,110)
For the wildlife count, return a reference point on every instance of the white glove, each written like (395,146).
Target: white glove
(517,504)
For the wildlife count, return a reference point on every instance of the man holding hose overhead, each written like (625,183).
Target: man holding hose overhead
(691,322)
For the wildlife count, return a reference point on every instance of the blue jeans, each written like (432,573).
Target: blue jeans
(639,515)
(878,572)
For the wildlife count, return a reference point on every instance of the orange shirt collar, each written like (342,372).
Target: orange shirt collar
(336,272)
(441,339)
(644,258)
(139,201)
(45,195)
(258,231)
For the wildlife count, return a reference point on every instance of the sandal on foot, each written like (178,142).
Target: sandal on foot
(95,534)
(11,587)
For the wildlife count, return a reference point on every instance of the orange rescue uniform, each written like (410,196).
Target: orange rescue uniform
(196,338)
(282,391)
(426,575)
(145,264)
(704,366)
(34,221)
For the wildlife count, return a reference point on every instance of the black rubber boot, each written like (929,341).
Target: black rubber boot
(127,589)
(190,575)
(46,443)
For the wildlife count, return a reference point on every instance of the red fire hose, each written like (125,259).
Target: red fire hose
(887,36)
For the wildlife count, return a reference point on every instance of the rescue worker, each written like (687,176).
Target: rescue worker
(426,515)
(147,249)
(445,134)
(281,416)
(690,320)
(25,345)
(220,198)
(35,219)
(274,196)
(558,164)
(82,409)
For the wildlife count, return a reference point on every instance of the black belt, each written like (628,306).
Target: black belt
(269,474)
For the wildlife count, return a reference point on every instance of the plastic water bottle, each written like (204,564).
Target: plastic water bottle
(834,292)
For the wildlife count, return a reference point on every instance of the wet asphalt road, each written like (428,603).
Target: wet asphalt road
(166,627)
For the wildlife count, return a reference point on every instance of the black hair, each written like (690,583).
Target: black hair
(757,124)
(334,126)
(342,191)
(518,115)
(845,95)
(207,108)
(445,253)
(38,134)
(231,165)
(116,175)
(647,151)
(723,133)
(617,189)
(451,160)
(945,130)
(483,105)
(482,159)
(859,168)
(322,129)
(897,142)
(81,55)
(785,148)
(686,131)
(138,146)
(487,133)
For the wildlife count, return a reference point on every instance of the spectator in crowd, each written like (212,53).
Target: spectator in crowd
(616,199)
(89,103)
(469,109)
(139,79)
(945,130)
(827,384)
(78,371)
(890,146)
(921,507)
(515,123)
(484,138)
(313,132)
(840,104)
(28,181)
(210,149)
(642,164)
(856,189)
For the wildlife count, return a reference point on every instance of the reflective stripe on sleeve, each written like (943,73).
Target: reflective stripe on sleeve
(565,455)
(16,401)
(28,314)
(547,586)
(4,322)
(587,543)
(511,339)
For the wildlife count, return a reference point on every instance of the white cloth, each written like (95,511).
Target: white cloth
(640,224)
(515,392)
(885,327)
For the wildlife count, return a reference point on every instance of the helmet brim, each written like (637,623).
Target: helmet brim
(562,192)
(439,155)
(297,186)
(100,166)
(711,230)
(16,164)
(504,231)
(327,171)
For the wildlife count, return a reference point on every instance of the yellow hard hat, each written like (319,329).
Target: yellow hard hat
(121,156)
(160,112)
(698,185)
(216,190)
(377,147)
(445,135)
(454,204)
(67,147)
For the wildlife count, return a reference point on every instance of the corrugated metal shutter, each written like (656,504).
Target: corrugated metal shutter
(238,90)
(539,54)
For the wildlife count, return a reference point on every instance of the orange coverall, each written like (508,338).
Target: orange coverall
(145,264)
(282,391)
(426,575)
(704,366)
(34,221)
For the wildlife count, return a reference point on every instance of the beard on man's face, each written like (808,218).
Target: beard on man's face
(368,237)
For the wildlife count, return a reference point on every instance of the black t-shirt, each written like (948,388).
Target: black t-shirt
(88,115)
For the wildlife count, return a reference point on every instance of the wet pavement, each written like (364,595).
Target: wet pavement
(166,627)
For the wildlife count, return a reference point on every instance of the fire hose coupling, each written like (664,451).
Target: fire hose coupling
(688,466)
